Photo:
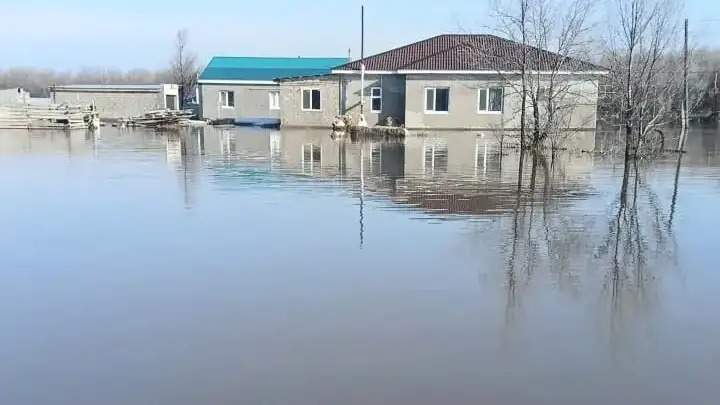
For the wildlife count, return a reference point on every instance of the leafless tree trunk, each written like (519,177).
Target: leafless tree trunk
(183,67)
(646,70)
(559,27)
(523,71)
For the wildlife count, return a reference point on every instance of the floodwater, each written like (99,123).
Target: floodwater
(247,266)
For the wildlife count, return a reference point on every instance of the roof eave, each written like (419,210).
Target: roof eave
(467,72)
(236,82)
(367,72)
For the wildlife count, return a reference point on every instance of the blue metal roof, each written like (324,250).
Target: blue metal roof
(250,68)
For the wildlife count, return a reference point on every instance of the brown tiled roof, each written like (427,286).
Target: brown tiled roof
(458,52)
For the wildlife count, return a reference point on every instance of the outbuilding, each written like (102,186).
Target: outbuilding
(243,89)
(114,101)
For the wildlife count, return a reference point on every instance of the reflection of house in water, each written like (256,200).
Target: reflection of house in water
(460,174)
(311,156)
(447,173)
(174,150)
(275,146)
(184,152)
(435,153)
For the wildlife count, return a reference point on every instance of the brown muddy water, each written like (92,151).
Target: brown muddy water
(257,267)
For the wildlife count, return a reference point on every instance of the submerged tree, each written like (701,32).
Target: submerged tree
(552,37)
(183,66)
(642,51)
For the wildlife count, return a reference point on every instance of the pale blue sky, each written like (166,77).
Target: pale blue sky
(71,34)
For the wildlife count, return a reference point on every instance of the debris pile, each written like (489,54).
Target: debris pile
(52,116)
(160,119)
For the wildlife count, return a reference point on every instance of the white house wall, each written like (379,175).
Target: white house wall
(393,97)
(463,108)
(251,101)
(291,111)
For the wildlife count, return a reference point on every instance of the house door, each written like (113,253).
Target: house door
(170,102)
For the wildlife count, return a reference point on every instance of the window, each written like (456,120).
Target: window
(311,100)
(227,99)
(274,100)
(376,99)
(490,100)
(437,100)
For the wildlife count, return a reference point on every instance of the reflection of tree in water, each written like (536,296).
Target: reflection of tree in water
(523,257)
(639,246)
(631,253)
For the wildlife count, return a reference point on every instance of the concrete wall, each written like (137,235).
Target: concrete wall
(116,103)
(393,97)
(251,101)
(291,112)
(463,111)
(113,105)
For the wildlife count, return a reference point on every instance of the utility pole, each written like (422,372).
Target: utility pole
(362,62)
(685,102)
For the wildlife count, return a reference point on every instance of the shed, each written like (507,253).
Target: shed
(244,88)
(119,101)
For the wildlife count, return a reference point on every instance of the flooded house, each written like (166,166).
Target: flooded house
(447,82)
(244,89)
(114,101)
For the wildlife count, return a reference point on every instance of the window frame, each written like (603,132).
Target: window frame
(226,102)
(487,100)
(374,97)
(302,99)
(434,110)
(272,105)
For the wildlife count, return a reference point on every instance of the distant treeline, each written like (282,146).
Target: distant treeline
(37,80)
(705,71)
(703,86)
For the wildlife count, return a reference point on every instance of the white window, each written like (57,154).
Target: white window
(437,100)
(311,100)
(227,99)
(376,99)
(274,100)
(490,100)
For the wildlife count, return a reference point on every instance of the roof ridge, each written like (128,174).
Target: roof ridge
(445,52)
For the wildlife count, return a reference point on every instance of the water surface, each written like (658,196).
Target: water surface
(260,267)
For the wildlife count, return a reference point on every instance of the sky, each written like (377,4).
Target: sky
(76,34)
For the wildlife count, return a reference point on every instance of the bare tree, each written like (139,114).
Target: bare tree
(183,66)
(513,24)
(553,38)
(562,28)
(646,69)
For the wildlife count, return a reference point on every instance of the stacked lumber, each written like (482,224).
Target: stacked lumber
(52,116)
(161,119)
